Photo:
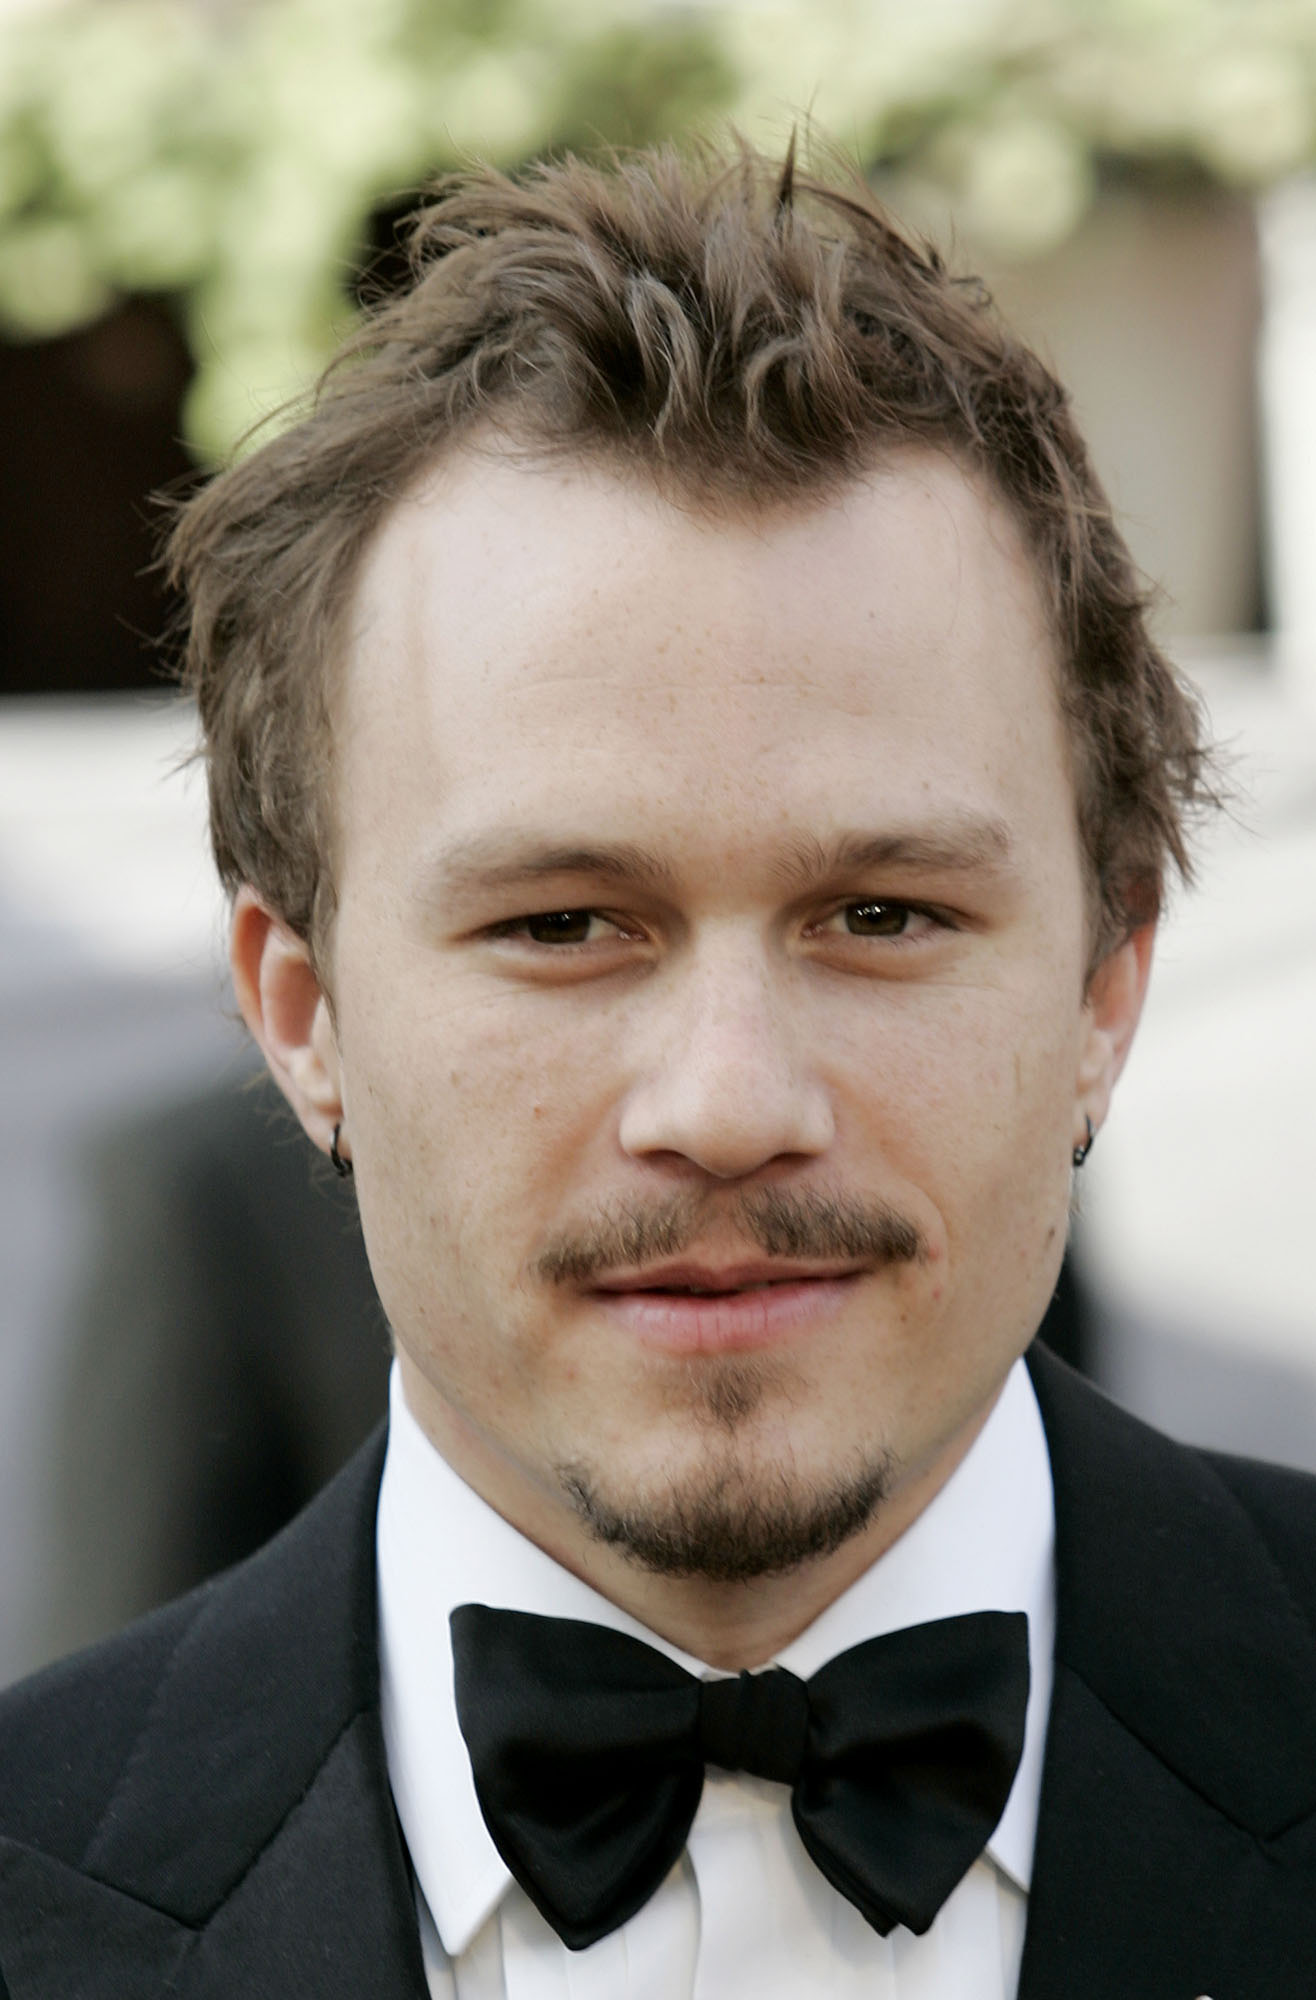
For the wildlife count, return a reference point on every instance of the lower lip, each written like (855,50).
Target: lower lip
(729,1322)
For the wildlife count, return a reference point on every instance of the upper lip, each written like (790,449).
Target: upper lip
(683,1274)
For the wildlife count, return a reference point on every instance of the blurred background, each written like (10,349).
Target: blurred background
(195,196)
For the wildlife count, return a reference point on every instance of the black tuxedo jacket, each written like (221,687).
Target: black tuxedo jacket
(200,1808)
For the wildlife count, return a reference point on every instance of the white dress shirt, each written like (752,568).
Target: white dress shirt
(744,1911)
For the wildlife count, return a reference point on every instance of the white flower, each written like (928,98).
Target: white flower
(1025,184)
(48,281)
(1253,113)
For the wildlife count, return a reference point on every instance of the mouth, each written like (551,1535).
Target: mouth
(689,1309)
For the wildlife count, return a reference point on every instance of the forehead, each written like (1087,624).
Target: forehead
(557,641)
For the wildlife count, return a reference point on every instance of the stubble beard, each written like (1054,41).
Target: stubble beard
(732,1516)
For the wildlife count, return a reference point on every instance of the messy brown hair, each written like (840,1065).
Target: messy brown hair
(736,332)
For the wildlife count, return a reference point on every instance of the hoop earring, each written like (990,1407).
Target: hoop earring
(342,1167)
(1080,1152)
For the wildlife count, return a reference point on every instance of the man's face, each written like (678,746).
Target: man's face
(709,985)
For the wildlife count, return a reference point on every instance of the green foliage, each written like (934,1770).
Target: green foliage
(642,81)
(231,155)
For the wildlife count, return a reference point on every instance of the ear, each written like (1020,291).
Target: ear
(1111,1011)
(288,1013)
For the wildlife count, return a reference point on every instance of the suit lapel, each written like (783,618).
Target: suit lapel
(1172,1857)
(326,1911)
(1129,1894)
(323,1913)
(63,1930)
(251,1844)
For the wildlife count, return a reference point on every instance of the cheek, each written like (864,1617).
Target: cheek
(968,1110)
(1015,1191)
(469,1116)
(960,1071)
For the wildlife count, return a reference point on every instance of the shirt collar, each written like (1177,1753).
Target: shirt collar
(985,1542)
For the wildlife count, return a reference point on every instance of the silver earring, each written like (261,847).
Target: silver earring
(342,1167)
(1080,1152)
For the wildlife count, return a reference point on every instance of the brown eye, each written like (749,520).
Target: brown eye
(560,927)
(877,919)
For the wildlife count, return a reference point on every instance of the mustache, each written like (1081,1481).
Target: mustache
(782,1222)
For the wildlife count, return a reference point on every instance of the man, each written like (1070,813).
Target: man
(697,791)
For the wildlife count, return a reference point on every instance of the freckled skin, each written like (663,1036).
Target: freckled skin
(553,649)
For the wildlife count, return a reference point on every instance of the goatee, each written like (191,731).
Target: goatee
(731,1527)
(731,1520)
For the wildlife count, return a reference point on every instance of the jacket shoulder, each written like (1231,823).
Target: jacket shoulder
(235,1695)
(1186,1601)
(68,1732)
(1281,1504)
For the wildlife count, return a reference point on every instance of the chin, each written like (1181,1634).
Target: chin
(730,1518)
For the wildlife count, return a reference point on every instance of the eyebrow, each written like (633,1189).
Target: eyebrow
(959,843)
(505,859)
(951,843)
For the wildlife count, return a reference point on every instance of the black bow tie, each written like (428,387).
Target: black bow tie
(588,1750)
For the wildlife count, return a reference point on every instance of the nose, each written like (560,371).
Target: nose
(727,1085)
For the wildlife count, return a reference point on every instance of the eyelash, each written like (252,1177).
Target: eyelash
(518,928)
(899,904)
